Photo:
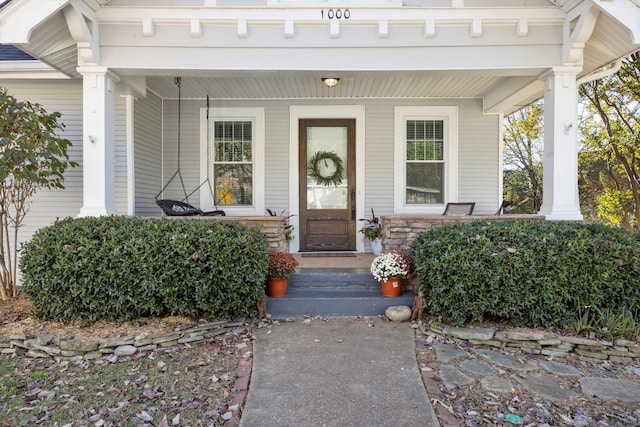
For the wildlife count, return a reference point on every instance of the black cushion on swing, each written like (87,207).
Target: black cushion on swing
(176,208)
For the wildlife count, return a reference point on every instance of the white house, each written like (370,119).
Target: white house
(414,121)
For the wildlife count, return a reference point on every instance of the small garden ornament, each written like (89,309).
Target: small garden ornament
(419,305)
(398,313)
(262,306)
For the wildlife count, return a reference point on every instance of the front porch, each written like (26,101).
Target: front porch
(341,284)
(398,233)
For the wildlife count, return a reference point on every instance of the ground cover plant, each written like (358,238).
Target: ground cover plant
(529,273)
(118,268)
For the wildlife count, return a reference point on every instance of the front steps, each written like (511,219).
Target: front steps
(330,292)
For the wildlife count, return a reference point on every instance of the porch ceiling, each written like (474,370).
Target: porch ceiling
(303,85)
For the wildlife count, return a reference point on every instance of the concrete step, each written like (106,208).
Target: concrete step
(334,292)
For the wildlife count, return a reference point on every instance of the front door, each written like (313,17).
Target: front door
(327,185)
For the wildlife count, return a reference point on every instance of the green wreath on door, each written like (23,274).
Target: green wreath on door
(324,157)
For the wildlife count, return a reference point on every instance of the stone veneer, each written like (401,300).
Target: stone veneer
(618,350)
(271,226)
(398,231)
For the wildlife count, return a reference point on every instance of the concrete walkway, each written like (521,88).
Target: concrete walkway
(336,372)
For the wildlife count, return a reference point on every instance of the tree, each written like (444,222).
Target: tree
(32,157)
(611,142)
(523,158)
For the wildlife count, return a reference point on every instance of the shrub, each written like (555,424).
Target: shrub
(533,273)
(118,268)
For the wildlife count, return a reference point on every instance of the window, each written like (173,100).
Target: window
(233,162)
(424,155)
(426,162)
(232,158)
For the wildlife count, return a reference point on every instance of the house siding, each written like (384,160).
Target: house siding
(189,151)
(479,158)
(478,145)
(65,97)
(120,153)
(147,153)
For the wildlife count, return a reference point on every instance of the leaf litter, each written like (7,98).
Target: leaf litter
(182,385)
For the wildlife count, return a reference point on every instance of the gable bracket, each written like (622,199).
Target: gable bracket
(577,30)
(84,31)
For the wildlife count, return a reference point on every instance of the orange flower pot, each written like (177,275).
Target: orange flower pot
(277,287)
(392,287)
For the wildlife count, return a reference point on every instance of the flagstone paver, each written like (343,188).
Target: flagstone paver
(448,352)
(547,386)
(477,367)
(453,378)
(562,369)
(496,384)
(611,388)
(572,389)
(505,360)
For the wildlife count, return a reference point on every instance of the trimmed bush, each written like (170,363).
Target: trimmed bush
(531,273)
(118,268)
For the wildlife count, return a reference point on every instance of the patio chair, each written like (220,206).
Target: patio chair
(503,207)
(176,208)
(459,209)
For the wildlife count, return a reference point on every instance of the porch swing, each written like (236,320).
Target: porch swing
(182,207)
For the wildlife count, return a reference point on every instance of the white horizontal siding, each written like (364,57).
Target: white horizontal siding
(64,96)
(479,162)
(378,185)
(478,158)
(190,148)
(147,148)
(120,153)
(277,159)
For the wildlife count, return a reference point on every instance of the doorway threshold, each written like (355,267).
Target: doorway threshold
(328,255)
(354,260)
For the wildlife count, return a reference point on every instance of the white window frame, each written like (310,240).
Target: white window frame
(449,115)
(256,116)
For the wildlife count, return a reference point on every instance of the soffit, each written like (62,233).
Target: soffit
(303,86)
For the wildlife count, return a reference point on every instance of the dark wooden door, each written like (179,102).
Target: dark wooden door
(327,184)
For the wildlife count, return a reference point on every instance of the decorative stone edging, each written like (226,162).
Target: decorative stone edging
(618,350)
(47,345)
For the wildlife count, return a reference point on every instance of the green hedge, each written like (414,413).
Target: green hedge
(533,273)
(118,268)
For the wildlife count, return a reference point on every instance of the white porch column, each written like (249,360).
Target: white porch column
(560,193)
(98,156)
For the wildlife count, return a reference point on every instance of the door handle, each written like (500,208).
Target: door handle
(353,205)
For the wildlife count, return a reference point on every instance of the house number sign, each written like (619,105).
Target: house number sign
(335,14)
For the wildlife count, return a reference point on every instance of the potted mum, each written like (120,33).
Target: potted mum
(389,269)
(281,266)
(372,231)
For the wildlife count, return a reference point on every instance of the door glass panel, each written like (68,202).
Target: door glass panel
(326,164)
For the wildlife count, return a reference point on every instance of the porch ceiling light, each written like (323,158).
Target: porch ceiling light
(330,81)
